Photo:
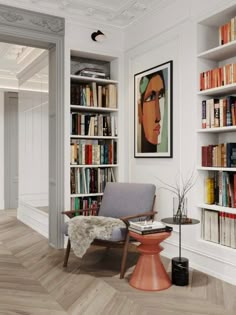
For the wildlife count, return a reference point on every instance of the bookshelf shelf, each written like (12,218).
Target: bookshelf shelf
(93,137)
(217,208)
(217,145)
(218,169)
(86,195)
(217,130)
(220,52)
(83,108)
(94,140)
(93,166)
(216,245)
(81,78)
(219,91)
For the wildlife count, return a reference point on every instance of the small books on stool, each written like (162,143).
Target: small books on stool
(149,227)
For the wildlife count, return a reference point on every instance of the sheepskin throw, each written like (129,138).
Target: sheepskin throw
(82,230)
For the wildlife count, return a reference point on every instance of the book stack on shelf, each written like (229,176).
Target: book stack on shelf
(219,155)
(93,129)
(219,227)
(217,122)
(220,189)
(227,31)
(219,112)
(148,227)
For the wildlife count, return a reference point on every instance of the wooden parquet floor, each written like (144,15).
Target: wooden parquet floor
(32,281)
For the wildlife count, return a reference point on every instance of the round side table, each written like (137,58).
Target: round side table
(180,265)
(149,273)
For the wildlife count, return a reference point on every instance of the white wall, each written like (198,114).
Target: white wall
(33,148)
(1,150)
(170,34)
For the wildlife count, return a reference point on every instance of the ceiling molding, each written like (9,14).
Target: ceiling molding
(33,67)
(23,18)
(119,14)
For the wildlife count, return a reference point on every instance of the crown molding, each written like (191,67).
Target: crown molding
(21,18)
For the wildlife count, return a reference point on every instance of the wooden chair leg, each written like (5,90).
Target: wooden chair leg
(124,257)
(67,253)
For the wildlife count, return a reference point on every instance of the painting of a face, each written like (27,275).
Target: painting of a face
(153,112)
(152,109)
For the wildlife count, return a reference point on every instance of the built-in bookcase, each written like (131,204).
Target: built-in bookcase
(216,129)
(93,129)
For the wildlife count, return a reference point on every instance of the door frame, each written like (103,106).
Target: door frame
(23,27)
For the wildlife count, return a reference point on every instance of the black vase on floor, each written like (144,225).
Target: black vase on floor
(180,271)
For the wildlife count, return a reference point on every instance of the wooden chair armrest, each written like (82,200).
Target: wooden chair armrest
(145,214)
(73,213)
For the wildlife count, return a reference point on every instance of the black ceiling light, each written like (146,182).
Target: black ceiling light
(98,36)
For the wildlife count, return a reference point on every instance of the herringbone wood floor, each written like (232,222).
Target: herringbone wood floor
(32,281)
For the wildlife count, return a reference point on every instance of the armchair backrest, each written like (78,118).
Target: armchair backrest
(123,199)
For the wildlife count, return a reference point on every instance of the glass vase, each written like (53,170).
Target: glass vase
(179,210)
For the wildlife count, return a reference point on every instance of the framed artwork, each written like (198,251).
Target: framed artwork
(153,112)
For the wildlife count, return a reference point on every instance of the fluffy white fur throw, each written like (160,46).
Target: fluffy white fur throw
(82,230)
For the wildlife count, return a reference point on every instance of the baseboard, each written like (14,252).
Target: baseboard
(36,200)
(216,266)
(33,217)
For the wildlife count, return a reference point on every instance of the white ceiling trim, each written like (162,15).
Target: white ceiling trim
(115,13)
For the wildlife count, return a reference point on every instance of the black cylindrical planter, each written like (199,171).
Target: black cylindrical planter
(180,273)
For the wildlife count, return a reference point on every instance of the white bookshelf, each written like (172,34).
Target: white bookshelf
(217,169)
(211,55)
(93,109)
(217,208)
(87,101)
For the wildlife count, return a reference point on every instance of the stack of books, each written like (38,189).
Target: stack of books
(149,227)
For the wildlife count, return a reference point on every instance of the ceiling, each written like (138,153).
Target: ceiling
(14,60)
(117,13)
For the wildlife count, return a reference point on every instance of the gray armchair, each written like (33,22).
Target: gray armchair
(126,201)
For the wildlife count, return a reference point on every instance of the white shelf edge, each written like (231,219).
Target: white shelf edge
(219,90)
(86,195)
(93,108)
(92,165)
(217,208)
(209,168)
(91,79)
(215,53)
(217,129)
(93,137)
(216,244)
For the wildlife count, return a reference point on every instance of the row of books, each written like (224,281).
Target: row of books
(227,32)
(93,152)
(219,112)
(148,227)
(94,95)
(220,189)
(219,227)
(85,203)
(218,77)
(90,180)
(93,125)
(219,155)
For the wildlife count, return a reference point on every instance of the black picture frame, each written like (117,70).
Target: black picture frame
(153,89)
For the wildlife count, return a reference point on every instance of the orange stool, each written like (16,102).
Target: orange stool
(149,273)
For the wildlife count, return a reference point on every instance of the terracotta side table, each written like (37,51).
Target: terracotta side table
(149,273)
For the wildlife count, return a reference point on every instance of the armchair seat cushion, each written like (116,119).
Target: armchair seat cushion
(83,230)
(118,233)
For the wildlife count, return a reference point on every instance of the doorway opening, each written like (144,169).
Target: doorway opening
(45,32)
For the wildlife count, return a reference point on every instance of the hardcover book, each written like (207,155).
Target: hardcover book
(146,225)
(152,231)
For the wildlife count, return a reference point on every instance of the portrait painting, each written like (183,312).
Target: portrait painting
(153,112)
